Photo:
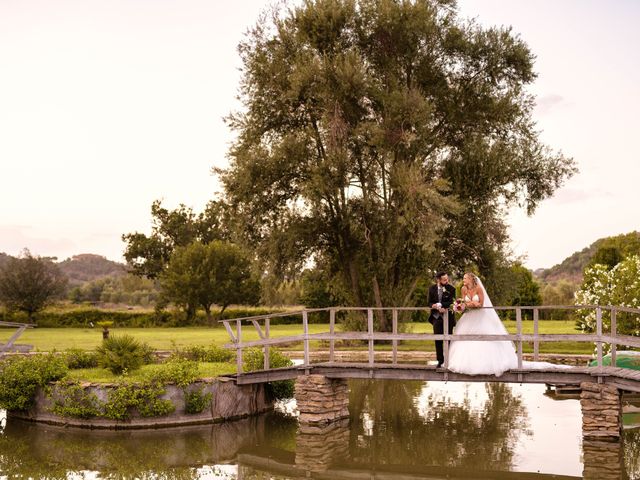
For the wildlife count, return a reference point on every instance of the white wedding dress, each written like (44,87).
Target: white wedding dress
(481,358)
(485,357)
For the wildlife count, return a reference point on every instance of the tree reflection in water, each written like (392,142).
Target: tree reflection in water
(402,423)
(631,449)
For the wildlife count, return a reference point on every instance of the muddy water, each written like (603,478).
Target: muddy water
(397,430)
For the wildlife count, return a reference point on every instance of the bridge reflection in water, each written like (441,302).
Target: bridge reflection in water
(398,429)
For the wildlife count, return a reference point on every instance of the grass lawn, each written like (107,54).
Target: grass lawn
(102,375)
(48,339)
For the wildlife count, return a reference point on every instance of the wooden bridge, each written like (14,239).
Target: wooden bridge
(622,378)
(11,343)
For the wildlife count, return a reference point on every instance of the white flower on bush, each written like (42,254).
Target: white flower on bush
(619,286)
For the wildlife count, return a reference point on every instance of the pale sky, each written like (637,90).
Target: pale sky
(107,105)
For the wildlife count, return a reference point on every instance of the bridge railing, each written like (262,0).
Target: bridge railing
(6,347)
(262,325)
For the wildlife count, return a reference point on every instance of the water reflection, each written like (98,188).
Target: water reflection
(397,428)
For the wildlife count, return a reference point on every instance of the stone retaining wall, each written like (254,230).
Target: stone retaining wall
(229,401)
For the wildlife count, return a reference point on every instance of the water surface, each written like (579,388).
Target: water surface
(397,429)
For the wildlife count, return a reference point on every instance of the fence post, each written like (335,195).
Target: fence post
(599,334)
(519,333)
(614,334)
(445,342)
(394,329)
(332,327)
(238,347)
(536,342)
(266,347)
(370,331)
(305,330)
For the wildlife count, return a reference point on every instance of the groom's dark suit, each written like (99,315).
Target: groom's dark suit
(445,295)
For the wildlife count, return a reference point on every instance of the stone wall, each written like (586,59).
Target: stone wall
(601,411)
(229,401)
(321,401)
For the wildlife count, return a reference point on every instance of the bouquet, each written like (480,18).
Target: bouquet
(459,306)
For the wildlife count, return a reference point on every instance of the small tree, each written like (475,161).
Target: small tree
(216,273)
(29,283)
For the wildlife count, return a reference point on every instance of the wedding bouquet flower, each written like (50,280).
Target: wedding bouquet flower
(459,306)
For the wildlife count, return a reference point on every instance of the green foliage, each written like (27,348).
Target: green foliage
(608,256)
(179,371)
(71,399)
(29,283)
(120,353)
(253,359)
(206,274)
(201,353)
(196,401)
(20,378)
(120,289)
(149,255)
(78,358)
(383,140)
(619,286)
(83,317)
(561,292)
(143,397)
(526,291)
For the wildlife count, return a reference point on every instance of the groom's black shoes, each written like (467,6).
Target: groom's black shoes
(439,365)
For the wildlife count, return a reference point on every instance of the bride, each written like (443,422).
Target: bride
(480,357)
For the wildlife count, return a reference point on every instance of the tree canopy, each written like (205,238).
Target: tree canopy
(206,274)
(28,283)
(148,255)
(384,140)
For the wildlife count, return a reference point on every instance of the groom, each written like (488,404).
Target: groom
(442,295)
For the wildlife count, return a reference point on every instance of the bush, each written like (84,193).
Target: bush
(195,401)
(73,400)
(180,371)
(121,353)
(77,358)
(20,378)
(211,353)
(253,359)
(143,397)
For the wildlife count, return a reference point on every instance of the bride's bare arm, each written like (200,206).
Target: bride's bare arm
(480,298)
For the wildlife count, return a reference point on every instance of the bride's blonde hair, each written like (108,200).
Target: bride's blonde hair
(473,277)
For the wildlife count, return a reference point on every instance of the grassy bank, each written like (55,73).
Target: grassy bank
(48,339)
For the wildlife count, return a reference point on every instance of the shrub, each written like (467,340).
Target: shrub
(121,353)
(195,401)
(73,400)
(253,359)
(211,353)
(77,358)
(143,397)
(20,378)
(180,371)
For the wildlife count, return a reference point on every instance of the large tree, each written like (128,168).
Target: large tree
(373,129)
(29,283)
(206,274)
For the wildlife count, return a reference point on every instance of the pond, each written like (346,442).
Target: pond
(397,429)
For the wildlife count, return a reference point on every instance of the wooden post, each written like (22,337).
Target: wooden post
(238,347)
(599,334)
(305,329)
(536,342)
(370,331)
(519,333)
(445,342)
(614,334)
(267,326)
(332,327)
(394,329)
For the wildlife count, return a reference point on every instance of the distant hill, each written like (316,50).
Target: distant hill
(571,268)
(87,267)
(4,258)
